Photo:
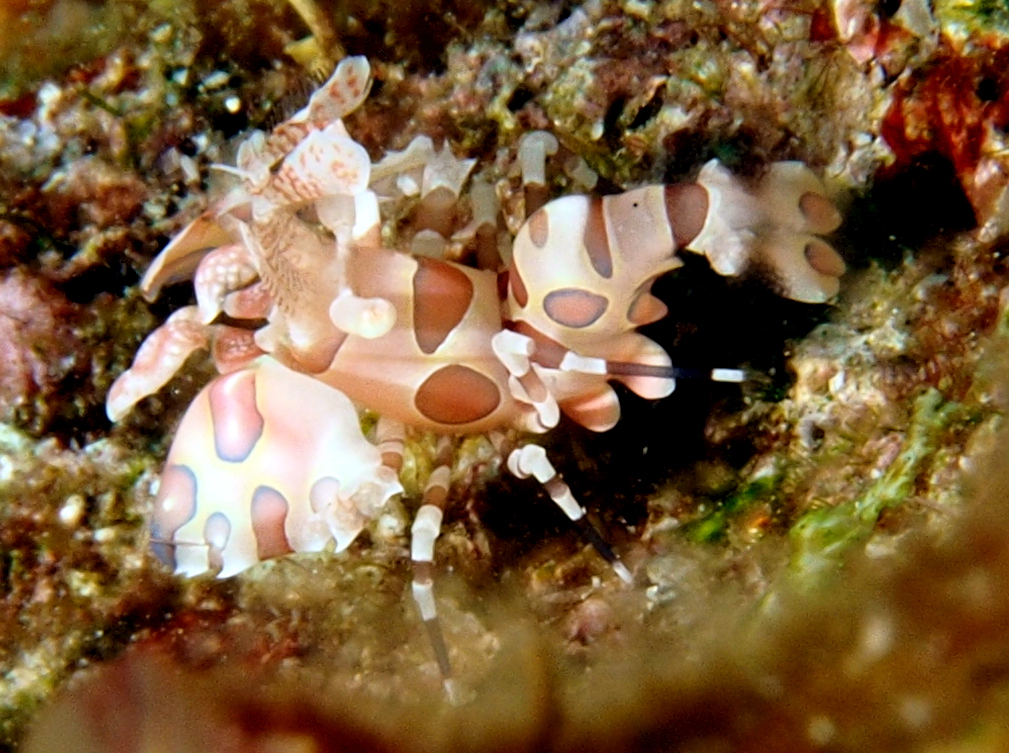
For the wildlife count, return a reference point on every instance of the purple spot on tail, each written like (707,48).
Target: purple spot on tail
(174,506)
(238,424)
(269,514)
(162,547)
(216,533)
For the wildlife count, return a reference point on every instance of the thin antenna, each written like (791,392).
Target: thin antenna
(243,174)
(624,368)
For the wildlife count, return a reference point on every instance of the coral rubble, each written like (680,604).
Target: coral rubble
(823,556)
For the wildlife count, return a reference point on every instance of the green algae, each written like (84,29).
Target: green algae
(713,526)
(821,536)
(964,18)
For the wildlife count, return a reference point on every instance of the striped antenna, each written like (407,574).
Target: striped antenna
(555,356)
(623,368)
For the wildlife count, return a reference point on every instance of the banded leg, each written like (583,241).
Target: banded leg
(425,531)
(534,149)
(638,369)
(486,209)
(390,438)
(641,364)
(441,185)
(515,351)
(531,460)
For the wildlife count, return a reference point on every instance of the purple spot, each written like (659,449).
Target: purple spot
(238,424)
(174,507)
(269,514)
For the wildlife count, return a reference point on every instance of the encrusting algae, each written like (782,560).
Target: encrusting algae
(822,553)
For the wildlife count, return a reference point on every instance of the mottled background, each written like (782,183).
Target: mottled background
(820,557)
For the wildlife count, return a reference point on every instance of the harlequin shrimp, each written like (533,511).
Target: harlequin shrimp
(309,318)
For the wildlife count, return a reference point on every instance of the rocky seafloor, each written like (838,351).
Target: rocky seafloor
(821,557)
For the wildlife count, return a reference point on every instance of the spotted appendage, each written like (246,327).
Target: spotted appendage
(583,268)
(580,279)
(266,462)
(772,229)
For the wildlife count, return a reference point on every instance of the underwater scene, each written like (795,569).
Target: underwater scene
(504,375)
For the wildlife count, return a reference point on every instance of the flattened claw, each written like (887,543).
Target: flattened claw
(265,461)
(180,258)
(340,95)
(772,229)
(795,199)
(159,357)
(804,267)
